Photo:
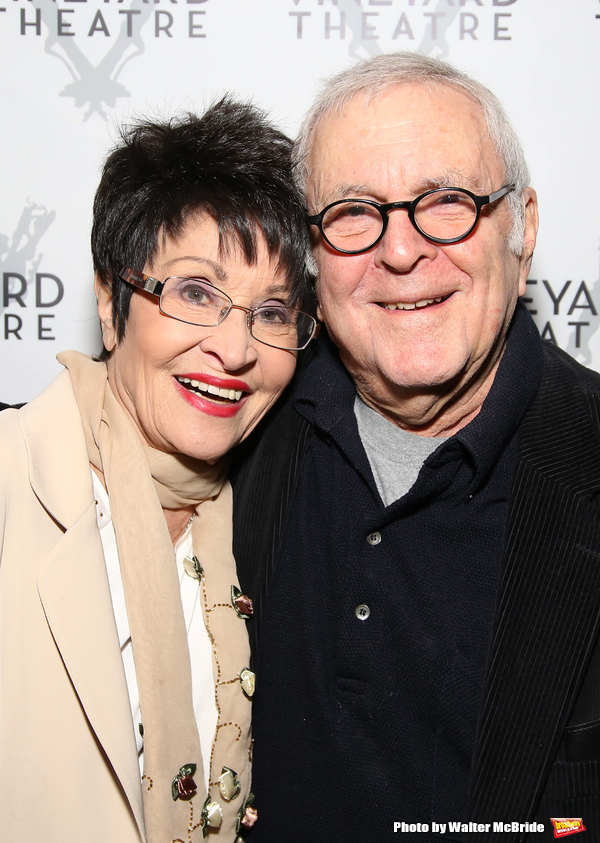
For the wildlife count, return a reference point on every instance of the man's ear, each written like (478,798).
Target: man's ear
(104,297)
(315,269)
(529,240)
(319,311)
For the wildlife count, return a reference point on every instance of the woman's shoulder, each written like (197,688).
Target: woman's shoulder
(9,424)
(43,453)
(13,453)
(36,426)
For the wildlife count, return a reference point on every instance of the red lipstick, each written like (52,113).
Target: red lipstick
(203,401)
(221,383)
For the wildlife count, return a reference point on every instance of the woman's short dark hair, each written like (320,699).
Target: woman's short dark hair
(230,163)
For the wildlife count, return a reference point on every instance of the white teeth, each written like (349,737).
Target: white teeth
(229,394)
(412,305)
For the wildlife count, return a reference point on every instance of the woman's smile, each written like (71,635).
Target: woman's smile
(193,389)
(215,396)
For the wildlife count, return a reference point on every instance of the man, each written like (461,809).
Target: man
(424,513)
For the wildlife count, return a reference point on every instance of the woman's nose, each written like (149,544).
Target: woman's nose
(231,341)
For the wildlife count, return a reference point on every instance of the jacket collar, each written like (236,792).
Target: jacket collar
(53,434)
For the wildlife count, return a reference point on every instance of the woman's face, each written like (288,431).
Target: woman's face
(151,369)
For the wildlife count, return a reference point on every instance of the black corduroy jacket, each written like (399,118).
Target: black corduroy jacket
(537,754)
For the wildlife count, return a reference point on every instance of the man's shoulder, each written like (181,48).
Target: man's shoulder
(560,433)
(564,376)
(567,367)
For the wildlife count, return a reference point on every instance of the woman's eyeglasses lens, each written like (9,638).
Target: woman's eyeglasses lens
(199,303)
(356,225)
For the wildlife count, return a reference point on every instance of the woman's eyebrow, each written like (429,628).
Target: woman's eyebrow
(217,269)
(278,291)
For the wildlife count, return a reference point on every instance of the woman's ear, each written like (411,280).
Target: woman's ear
(104,297)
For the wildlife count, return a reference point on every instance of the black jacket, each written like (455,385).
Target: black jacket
(538,751)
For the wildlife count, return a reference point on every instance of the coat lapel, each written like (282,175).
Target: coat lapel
(549,604)
(73,583)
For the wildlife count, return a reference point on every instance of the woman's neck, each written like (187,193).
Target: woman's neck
(177,521)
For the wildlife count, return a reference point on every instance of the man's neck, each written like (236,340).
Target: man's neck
(435,411)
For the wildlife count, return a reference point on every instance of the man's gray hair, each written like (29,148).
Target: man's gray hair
(378,75)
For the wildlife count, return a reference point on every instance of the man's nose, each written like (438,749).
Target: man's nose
(402,246)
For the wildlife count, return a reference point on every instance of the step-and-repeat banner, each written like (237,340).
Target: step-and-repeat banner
(72,70)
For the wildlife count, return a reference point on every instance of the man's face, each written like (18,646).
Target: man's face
(402,144)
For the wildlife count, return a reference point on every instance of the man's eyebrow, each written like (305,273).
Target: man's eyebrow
(346,191)
(449,178)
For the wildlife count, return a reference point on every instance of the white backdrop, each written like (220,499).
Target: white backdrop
(72,69)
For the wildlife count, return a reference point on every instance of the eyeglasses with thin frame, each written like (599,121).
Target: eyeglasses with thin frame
(197,302)
(443,215)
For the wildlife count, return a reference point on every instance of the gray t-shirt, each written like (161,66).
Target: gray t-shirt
(395,455)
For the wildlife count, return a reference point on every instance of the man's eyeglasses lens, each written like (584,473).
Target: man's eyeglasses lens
(199,303)
(443,215)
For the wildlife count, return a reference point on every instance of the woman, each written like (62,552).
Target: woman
(125,695)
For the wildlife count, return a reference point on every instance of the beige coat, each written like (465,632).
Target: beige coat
(69,769)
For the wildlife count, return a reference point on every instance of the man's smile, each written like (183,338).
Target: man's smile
(412,305)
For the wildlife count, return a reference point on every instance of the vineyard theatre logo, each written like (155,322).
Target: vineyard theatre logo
(28,295)
(562,827)
(415,24)
(95,39)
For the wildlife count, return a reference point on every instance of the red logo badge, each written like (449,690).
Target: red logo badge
(563,826)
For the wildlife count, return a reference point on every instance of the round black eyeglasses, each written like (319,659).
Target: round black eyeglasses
(196,302)
(443,215)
